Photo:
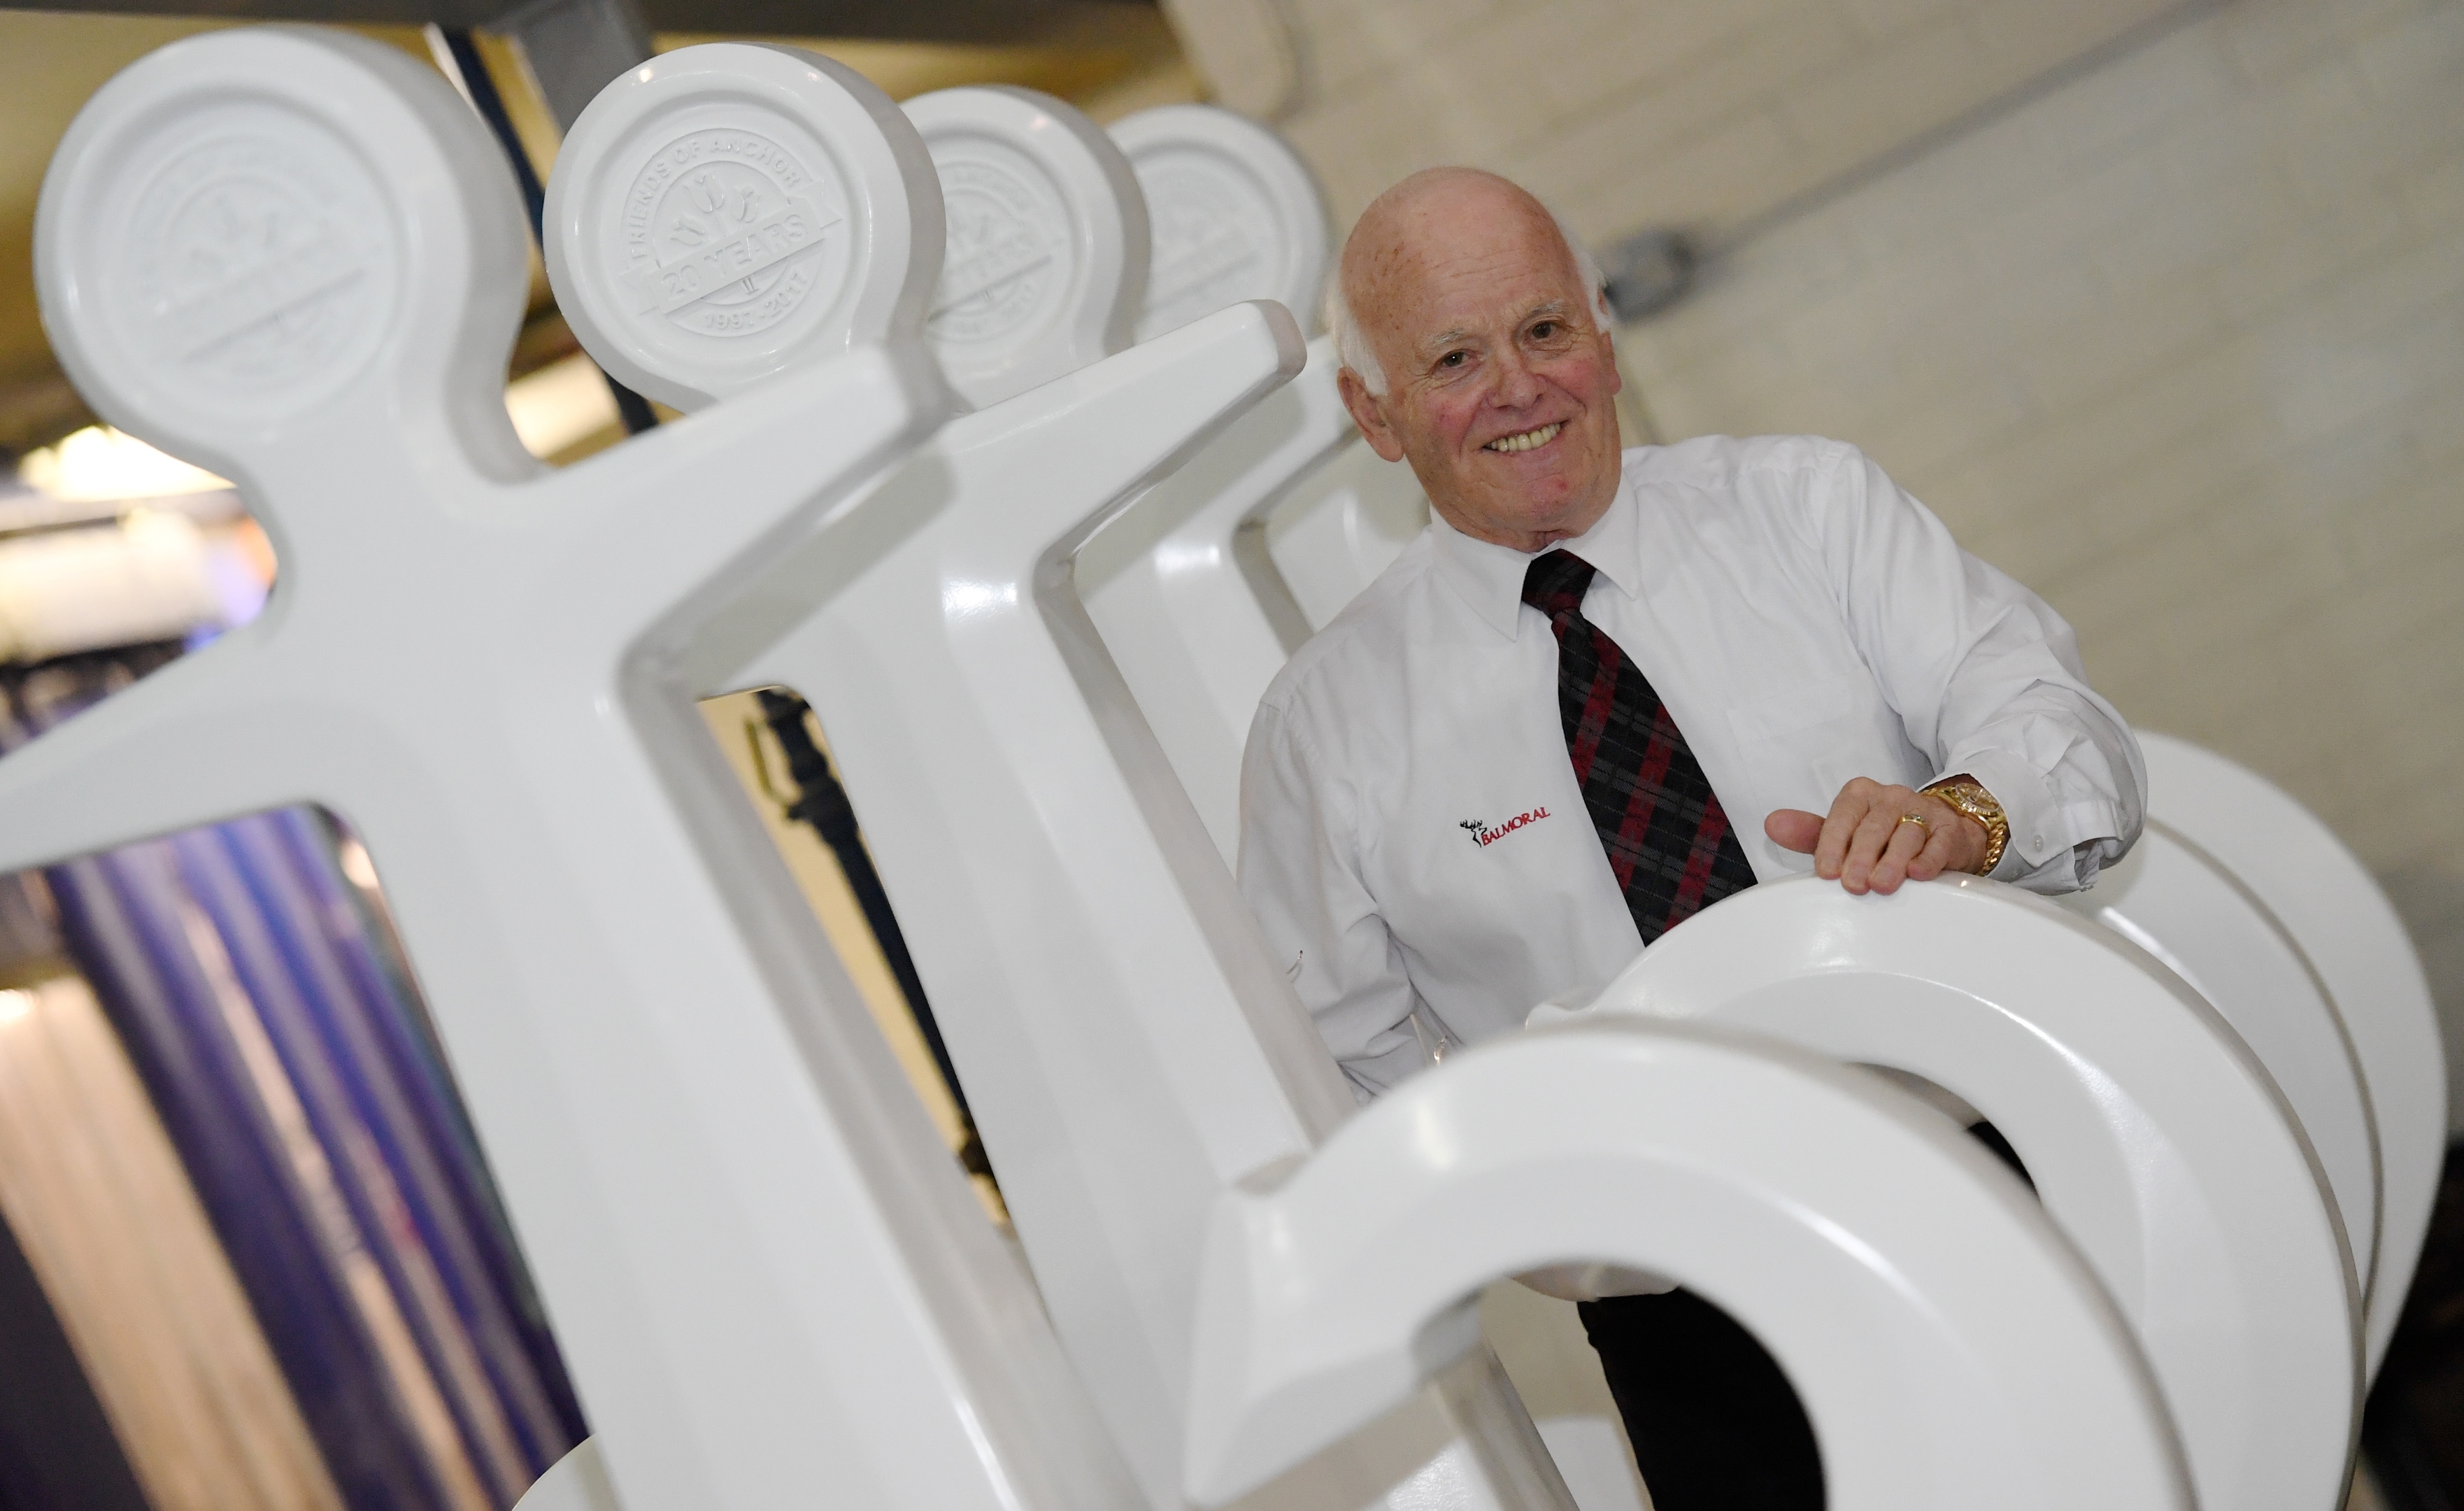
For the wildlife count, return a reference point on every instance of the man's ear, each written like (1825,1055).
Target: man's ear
(1617,373)
(1369,415)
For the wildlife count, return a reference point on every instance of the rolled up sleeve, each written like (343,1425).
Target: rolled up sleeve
(1987,680)
(1299,872)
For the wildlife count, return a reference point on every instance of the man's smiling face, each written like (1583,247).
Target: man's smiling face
(1501,383)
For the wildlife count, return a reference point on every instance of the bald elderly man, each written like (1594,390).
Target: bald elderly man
(1604,690)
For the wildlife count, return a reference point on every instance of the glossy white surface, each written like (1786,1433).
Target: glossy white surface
(2328,904)
(2174,901)
(2159,1144)
(1193,613)
(1126,1046)
(296,258)
(970,539)
(576,1483)
(1950,1348)
(770,1284)
(1344,525)
(1237,215)
(726,211)
(1047,266)
(1204,585)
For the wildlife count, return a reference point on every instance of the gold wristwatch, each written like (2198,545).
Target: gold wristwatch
(1968,795)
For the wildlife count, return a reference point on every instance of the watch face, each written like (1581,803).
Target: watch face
(1968,796)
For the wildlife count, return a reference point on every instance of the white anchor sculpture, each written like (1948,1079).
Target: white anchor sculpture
(1951,1349)
(1013,597)
(2172,900)
(295,257)
(1118,1074)
(1203,585)
(1195,602)
(1344,524)
(1189,604)
(2349,933)
(2158,1141)
(1128,1050)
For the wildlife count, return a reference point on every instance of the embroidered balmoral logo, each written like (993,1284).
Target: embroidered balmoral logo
(1484,837)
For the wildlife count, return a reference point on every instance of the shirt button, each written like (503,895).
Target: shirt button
(2035,841)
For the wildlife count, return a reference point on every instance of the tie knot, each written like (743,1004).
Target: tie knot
(1555,581)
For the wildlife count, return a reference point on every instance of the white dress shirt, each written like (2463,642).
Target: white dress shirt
(1412,836)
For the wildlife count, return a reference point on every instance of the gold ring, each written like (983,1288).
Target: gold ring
(1918,820)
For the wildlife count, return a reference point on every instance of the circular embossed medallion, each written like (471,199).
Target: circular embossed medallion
(256,267)
(726,232)
(1215,239)
(1008,249)
(1237,215)
(730,212)
(1046,255)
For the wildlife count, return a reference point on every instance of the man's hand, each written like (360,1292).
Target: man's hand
(1865,846)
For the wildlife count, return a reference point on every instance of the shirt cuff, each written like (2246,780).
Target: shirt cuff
(2039,829)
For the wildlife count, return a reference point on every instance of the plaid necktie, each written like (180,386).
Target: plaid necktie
(1663,826)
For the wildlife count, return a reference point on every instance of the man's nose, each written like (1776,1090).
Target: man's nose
(1517,382)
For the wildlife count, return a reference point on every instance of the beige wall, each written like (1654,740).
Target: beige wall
(1623,113)
(2180,343)
(2178,339)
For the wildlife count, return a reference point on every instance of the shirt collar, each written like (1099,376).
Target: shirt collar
(1489,577)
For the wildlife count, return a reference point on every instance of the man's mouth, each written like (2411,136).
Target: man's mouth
(1526,440)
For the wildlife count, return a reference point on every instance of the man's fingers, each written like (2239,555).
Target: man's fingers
(1871,837)
(1839,829)
(1940,850)
(1899,852)
(1864,845)
(1794,829)
(1947,847)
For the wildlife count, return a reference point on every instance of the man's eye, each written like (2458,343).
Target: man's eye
(1544,330)
(1454,359)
